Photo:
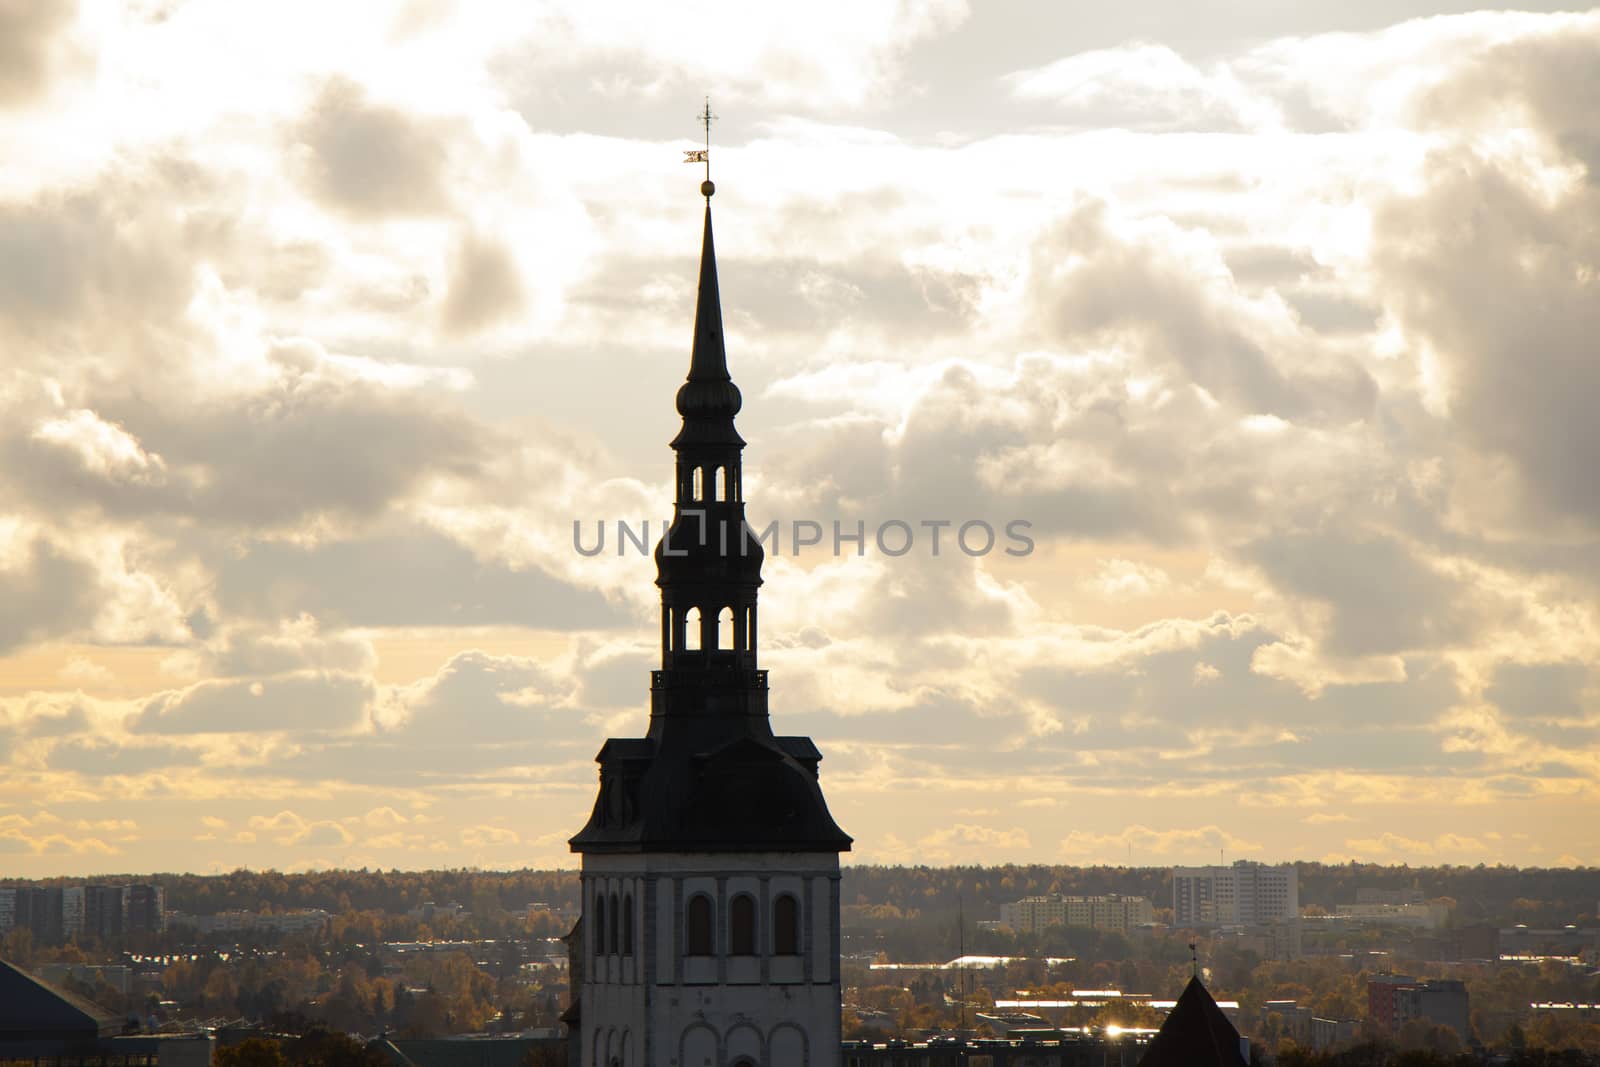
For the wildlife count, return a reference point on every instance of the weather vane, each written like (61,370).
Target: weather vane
(703,155)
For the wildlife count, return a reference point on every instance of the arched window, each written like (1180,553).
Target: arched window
(612,940)
(722,483)
(699,483)
(627,924)
(742,925)
(725,628)
(697,926)
(691,630)
(786,925)
(599,924)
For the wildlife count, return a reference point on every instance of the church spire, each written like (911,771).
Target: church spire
(709,395)
(710,774)
(709,564)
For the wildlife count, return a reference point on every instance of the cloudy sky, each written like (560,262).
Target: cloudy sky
(322,323)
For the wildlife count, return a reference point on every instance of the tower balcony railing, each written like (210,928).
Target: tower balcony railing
(738,677)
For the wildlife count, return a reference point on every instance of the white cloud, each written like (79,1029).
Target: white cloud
(1140,845)
(293,429)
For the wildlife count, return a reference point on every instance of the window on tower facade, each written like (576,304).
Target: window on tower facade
(627,924)
(697,926)
(742,925)
(599,924)
(786,925)
(612,940)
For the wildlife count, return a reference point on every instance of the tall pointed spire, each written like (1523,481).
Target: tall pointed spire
(709,360)
(708,400)
(710,775)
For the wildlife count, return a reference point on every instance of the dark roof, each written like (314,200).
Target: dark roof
(750,792)
(1196,1034)
(34,1010)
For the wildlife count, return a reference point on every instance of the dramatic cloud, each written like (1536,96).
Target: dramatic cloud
(371,161)
(309,700)
(484,286)
(29,40)
(47,594)
(1496,278)
(1170,294)
(1273,332)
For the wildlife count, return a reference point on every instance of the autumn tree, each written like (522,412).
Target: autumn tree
(252,1052)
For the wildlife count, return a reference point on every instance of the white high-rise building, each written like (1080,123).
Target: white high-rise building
(1245,894)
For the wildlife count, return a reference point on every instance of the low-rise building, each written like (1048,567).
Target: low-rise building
(1031,915)
(305,921)
(1395,999)
(1389,896)
(1417,915)
(1281,940)
(1330,1033)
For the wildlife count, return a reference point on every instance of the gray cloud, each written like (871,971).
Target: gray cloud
(1533,691)
(50,594)
(1383,598)
(410,578)
(1498,282)
(1329,311)
(618,680)
(372,161)
(98,758)
(295,645)
(796,295)
(1550,74)
(1262,264)
(788,295)
(480,698)
(306,701)
(29,38)
(480,718)
(74,263)
(69,720)
(316,441)
(1087,284)
(484,286)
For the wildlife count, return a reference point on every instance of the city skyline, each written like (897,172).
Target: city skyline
(325,326)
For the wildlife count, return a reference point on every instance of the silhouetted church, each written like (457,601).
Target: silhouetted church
(710,872)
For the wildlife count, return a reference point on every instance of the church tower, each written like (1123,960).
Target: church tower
(710,930)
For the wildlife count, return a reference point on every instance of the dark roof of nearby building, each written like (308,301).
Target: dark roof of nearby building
(33,1010)
(1196,1034)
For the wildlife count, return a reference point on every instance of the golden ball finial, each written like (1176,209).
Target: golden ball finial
(706,188)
